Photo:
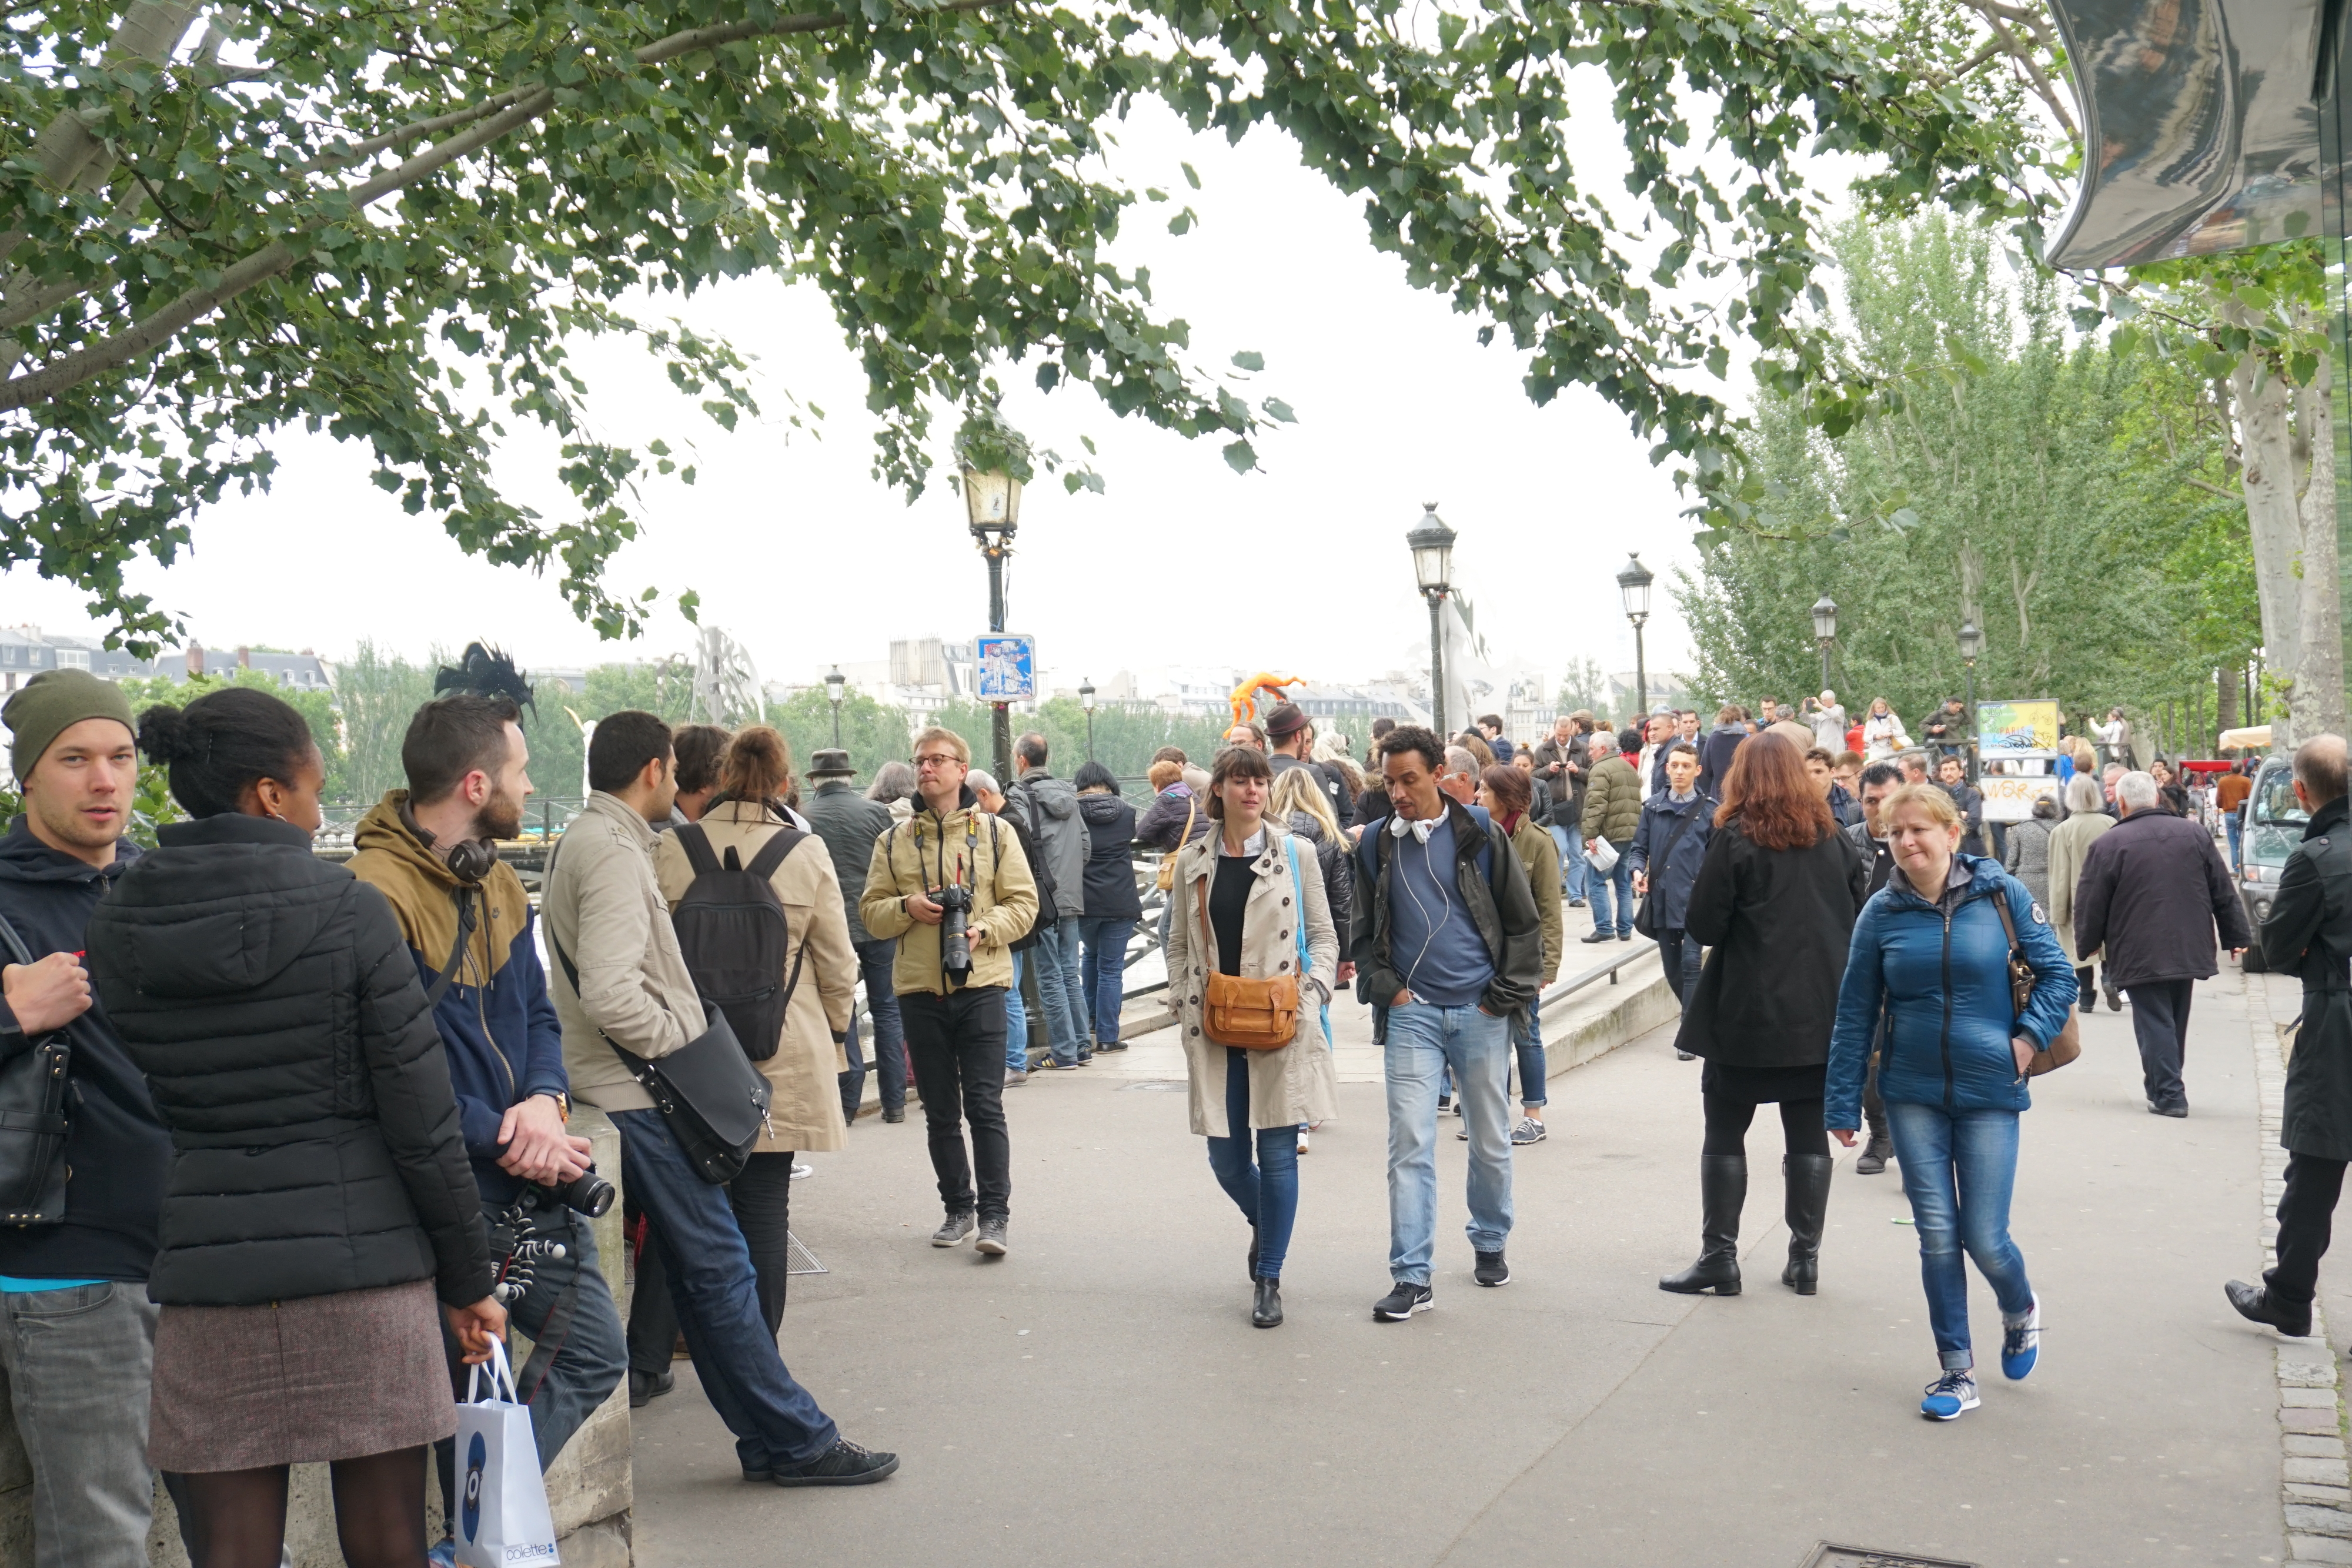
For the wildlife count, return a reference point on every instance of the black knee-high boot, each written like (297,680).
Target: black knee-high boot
(1723,1192)
(1808,1180)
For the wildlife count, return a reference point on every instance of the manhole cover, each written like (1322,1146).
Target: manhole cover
(1175,1084)
(1827,1555)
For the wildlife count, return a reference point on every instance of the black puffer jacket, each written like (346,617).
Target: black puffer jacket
(272,1004)
(1110,858)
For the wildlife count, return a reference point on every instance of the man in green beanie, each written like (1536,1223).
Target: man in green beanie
(76,1331)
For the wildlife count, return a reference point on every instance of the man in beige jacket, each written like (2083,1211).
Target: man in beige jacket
(954,1017)
(621,981)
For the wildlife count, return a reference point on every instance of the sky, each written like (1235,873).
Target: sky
(804,557)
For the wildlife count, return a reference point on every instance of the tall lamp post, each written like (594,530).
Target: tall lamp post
(1086,701)
(1633,582)
(1825,631)
(1971,644)
(1432,568)
(832,684)
(993,498)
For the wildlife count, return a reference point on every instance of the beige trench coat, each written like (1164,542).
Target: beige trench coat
(803,1082)
(2070,842)
(1297,1083)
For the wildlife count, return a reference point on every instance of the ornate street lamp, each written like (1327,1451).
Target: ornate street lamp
(1825,631)
(993,498)
(1086,701)
(1432,543)
(1634,583)
(832,684)
(1971,644)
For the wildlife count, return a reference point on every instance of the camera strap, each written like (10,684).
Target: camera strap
(440,987)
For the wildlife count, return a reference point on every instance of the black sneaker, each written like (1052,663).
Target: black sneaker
(1403,1303)
(644,1388)
(953,1231)
(897,1115)
(992,1236)
(843,1465)
(1492,1269)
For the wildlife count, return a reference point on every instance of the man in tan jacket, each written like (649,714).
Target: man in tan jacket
(949,854)
(620,980)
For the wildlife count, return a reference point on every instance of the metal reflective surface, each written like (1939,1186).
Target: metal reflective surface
(2199,127)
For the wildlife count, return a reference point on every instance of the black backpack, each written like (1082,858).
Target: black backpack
(732,932)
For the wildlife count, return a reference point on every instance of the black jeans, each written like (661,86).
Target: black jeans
(957,1045)
(2305,1212)
(874,963)
(1679,957)
(762,1198)
(2160,1020)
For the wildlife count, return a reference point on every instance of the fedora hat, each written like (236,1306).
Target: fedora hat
(831,763)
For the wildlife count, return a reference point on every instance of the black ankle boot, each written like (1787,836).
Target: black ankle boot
(1723,1192)
(2255,1303)
(1806,1177)
(1266,1312)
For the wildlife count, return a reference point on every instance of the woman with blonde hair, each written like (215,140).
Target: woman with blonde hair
(1297,802)
(1883,734)
(744,825)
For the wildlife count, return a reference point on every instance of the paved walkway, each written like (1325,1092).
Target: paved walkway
(1100,1396)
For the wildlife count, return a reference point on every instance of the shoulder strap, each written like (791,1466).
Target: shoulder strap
(1683,820)
(448,976)
(771,853)
(2007,926)
(698,848)
(1298,893)
(22,954)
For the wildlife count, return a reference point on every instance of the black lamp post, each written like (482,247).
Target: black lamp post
(1432,568)
(1633,582)
(832,684)
(1086,701)
(1971,644)
(1825,631)
(993,498)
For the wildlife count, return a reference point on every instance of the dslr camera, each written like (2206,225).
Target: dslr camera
(955,939)
(589,1193)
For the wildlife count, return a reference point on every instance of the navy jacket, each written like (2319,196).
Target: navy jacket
(1941,972)
(1714,749)
(118,1151)
(1670,880)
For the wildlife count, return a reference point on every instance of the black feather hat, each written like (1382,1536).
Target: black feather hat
(485,671)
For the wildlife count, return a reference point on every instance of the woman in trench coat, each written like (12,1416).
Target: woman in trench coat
(1248,898)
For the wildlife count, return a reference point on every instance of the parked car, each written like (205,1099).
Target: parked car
(2274,824)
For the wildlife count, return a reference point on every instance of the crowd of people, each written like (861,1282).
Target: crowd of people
(321,1119)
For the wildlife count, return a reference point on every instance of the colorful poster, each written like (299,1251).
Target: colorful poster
(1008,668)
(2027,724)
(2009,796)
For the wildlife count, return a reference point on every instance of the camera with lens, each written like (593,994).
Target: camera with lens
(589,1193)
(955,941)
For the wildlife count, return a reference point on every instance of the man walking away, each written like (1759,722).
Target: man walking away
(1612,811)
(1878,780)
(1560,765)
(1714,752)
(1453,945)
(952,854)
(622,981)
(1046,809)
(463,914)
(2309,930)
(2230,799)
(850,824)
(76,1331)
(2153,890)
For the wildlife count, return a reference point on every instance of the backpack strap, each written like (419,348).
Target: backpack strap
(698,848)
(771,853)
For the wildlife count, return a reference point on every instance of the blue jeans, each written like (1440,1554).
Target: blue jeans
(2234,828)
(1528,1043)
(1103,973)
(1620,877)
(1678,955)
(1267,1192)
(1016,1023)
(712,1284)
(1958,1169)
(889,1056)
(1573,870)
(1060,992)
(1424,1042)
(78,1362)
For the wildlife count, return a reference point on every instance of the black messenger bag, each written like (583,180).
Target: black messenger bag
(33,1088)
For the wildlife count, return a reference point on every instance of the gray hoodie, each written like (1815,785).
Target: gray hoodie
(1047,808)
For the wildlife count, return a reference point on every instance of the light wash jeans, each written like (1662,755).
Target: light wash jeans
(1573,868)
(1062,993)
(1424,1043)
(80,1363)
(1016,1022)
(1958,1169)
(1621,878)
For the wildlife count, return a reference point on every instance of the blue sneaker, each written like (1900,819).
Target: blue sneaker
(444,1554)
(2021,1342)
(1948,1396)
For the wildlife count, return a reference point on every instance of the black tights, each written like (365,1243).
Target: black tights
(1727,1118)
(237,1519)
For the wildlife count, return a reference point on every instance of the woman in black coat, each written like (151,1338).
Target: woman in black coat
(1775,903)
(319,1197)
(1112,904)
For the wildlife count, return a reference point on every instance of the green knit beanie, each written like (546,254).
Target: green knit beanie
(52,703)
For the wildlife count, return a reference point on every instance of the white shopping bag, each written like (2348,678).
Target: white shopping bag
(1603,855)
(503,1518)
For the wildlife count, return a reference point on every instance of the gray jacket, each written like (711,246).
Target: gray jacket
(1047,808)
(848,823)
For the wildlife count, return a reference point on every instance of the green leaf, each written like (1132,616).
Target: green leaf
(1191,178)
(1240,457)
(1250,360)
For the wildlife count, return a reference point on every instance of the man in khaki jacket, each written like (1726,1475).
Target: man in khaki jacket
(954,1019)
(621,981)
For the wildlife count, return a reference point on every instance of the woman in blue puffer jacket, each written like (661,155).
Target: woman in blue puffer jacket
(1931,953)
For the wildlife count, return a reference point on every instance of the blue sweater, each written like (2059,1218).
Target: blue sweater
(1940,971)
(1432,941)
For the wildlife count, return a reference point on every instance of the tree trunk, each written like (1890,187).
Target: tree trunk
(2316,701)
(2289,479)
(2226,688)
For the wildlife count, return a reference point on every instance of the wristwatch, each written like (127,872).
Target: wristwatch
(563,1105)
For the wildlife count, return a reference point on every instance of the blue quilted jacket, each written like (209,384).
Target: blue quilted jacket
(1941,972)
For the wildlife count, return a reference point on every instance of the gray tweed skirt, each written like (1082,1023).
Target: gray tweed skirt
(291,1383)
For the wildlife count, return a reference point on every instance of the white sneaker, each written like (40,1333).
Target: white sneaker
(1302,1140)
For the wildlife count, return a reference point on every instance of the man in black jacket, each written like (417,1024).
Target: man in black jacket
(2309,930)
(1560,765)
(76,1331)
(1290,734)
(1869,835)
(1446,928)
(849,823)
(2153,889)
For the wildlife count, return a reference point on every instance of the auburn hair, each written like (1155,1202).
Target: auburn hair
(1768,792)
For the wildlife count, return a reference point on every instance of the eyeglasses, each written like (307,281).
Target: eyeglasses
(940,759)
